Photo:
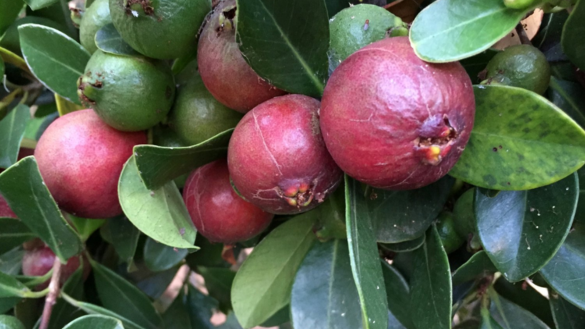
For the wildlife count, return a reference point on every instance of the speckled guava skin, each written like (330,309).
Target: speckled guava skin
(39,261)
(218,213)
(225,72)
(94,18)
(393,121)
(80,159)
(277,158)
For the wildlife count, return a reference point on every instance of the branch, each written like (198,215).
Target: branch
(522,34)
(54,288)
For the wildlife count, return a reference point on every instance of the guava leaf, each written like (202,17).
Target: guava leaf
(123,236)
(525,296)
(14,59)
(479,264)
(1,67)
(200,308)
(566,315)
(160,257)
(39,4)
(64,106)
(13,234)
(475,64)
(10,287)
(511,316)
(572,38)
(335,6)
(9,11)
(548,38)
(218,282)
(522,230)
(176,316)
(520,141)
(409,245)
(95,309)
(95,322)
(10,322)
(398,293)
(11,134)
(569,97)
(155,283)
(64,312)
(108,40)
(11,261)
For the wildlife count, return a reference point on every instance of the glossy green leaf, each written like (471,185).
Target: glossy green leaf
(10,322)
(523,295)
(85,226)
(120,296)
(364,258)
(487,321)
(200,308)
(324,293)
(569,97)
(14,59)
(39,4)
(279,318)
(95,309)
(159,257)
(511,316)
(400,216)
(64,312)
(95,322)
(522,230)
(572,38)
(176,316)
(160,214)
(520,141)
(13,234)
(120,232)
(450,30)
(398,294)
(263,284)
(11,133)
(9,10)
(477,266)
(474,65)
(548,38)
(54,58)
(155,284)
(158,165)
(218,282)
(210,255)
(565,314)
(10,287)
(11,261)
(29,198)
(108,40)
(431,277)
(286,42)
(405,246)
(331,222)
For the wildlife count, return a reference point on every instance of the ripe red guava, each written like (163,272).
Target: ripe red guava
(39,261)
(218,213)
(393,121)
(5,211)
(224,71)
(81,158)
(277,158)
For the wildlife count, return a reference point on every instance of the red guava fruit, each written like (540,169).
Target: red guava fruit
(218,213)
(393,121)
(81,158)
(5,211)
(277,158)
(224,71)
(39,261)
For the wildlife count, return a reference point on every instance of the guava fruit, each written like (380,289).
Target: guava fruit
(449,237)
(94,18)
(11,38)
(39,261)
(80,159)
(5,211)
(395,122)
(464,219)
(218,213)
(197,116)
(521,4)
(128,93)
(521,66)
(162,29)
(223,69)
(277,158)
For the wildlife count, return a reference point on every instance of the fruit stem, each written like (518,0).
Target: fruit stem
(522,34)
(54,289)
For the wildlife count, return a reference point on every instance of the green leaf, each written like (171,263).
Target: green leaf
(548,38)
(516,144)
(398,294)
(13,234)
(84,226)
(431,277)
(200,308)
(8,303)
(159,257)
(11,261)
(218,282)
(54,58)
(335,6)
(487,321)
(10,287)
(94,309)
(95,322)
(279,318)
(572,38)
(26,193)
(286,42)
(39,4)
(474,65)
(123,236)
(525,296)
(364,258)
(324,293)
(9,10)
(64,312)
(263,284)
(120,296)
(569,97)
(400,216)
(210,255)
(64,106)
(108,40)
(565,314)
(511,316)
(12,58)
(1,67)
(11,133)
(158,165)
(405,245)
(160,213)
(10,322)
(176,316)
(522,230)
(477,266)
(450,30)
(155,284)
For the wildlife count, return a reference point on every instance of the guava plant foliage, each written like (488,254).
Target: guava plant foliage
(497,242)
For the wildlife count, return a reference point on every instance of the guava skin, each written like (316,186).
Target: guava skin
(128,93)
(80,159)
(218,213)
(161,29)
(277,158)
(395,122)
(5,211)
(224,71)
(94,18)
(39,261)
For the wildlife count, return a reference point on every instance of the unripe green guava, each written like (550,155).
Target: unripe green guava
(128,93)
(95,17)
(450,239)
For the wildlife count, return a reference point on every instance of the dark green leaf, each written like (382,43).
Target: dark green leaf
(431,277)
(95,322)
(1,67)
(156,283)
(522,230)
(108,40)
(54,58)
(11,261)
(263,284)
(13,234)
(177,316)
(400,216)
(398,293)
(478,265)
(450,30)
(523,295)
(324,293)
(474,65)
(335,6)
(569,97)
(160,214)
(511,316)
(85,226)
(364,258)
(64,312)
(38,4)
(487,321)
(11,133)
(120,232)
(94,309)
(286,42)
(29,198)
(200,308)
(565,314)
(572,38)
(10,322)
(159,257)
(406,245)
(10,287)
(210,255)
(14,59)
(520,141)
(279,318)
(331,222)
(218,282)
(232,323)
(9,10)
(120,296)
(548,38)
(158,165)
(8,303)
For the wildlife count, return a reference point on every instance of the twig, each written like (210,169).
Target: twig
(54,289)
(522,34)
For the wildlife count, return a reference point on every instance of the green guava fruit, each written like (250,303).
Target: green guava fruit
(450,239)
(463,214)
(522,4)
(11,39)
(521,66)
(128,93)
(162,29)
(95,17)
